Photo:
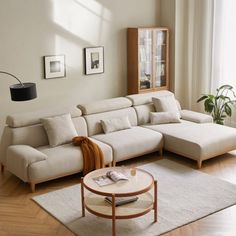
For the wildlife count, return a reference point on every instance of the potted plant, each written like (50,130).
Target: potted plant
(219,105)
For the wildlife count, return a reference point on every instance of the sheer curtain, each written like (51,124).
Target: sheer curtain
(224,48)
(193,50)
(224,44)
(205,49)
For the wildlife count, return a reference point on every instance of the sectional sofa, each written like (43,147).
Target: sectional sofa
(37,146)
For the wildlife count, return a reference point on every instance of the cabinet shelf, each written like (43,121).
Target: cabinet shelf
(148,59)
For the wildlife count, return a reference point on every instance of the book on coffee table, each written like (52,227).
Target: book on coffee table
(111,177)
(119,201)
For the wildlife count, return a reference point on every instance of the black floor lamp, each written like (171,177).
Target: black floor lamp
(21,91)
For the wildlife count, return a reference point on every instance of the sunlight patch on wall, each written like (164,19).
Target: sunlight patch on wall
(88,20)
(63,46)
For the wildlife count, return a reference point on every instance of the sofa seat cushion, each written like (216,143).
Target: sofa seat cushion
(197,141)
(131,142)
(62,160)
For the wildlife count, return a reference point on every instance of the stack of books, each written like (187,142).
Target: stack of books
(119,201)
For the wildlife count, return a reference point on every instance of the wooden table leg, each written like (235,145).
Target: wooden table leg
(113,215)
(82,197)
(155,201)
(2,168)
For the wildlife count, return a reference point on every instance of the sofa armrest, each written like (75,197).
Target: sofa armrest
(196,117)
(19,157)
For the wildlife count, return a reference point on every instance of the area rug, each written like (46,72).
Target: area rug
(184,195)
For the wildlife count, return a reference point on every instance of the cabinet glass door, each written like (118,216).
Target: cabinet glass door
(145,59)
(159,58)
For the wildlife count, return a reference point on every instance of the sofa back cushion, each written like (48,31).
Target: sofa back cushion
(105,105)
(164,117)
(32,118)
(143,105)
(27,129)
(115,124)
(94,120)
(107,109)
(146,98)
(143,113)
(35,135)
(60,129)
(166,104)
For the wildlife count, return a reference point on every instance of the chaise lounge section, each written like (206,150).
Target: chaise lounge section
(195,137)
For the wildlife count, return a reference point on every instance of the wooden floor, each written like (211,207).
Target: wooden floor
(20,216)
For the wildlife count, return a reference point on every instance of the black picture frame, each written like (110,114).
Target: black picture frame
(94,60)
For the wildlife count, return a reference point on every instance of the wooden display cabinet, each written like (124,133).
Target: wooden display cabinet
(148,59)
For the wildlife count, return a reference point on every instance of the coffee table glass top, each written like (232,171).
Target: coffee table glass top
(139,183)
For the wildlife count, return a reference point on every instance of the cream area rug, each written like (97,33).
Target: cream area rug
(184,195)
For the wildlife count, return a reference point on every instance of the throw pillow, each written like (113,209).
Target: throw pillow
(115,124)
(59,129)
(166,104)
(164,118)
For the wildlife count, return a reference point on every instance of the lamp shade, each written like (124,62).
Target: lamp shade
(23,92)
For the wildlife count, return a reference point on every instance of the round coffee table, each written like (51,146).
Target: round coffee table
(139,184)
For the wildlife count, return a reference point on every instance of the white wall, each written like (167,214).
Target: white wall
(31,29)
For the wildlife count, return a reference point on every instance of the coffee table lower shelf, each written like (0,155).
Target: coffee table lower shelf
(97,205)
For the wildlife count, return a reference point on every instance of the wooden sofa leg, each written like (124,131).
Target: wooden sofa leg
(199,164)
(32,187)
(2,168)
(161,152)
(113,163)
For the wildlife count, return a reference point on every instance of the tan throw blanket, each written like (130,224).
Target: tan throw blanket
(92,153)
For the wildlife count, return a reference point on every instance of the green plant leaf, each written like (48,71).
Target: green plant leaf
(219,121)
(209,105)
(220,105)
(228,109)
(227,98)
(202,98)
(222,97)
(226,86)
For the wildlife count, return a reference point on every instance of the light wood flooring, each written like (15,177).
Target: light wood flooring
(20,216)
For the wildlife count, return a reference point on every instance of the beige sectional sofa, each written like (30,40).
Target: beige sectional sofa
(26,150)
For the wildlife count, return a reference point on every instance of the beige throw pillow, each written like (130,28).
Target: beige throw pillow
(166,104)
(164,118)
(115,124)
(59,129)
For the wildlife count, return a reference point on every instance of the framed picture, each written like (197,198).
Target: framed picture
(94,60)
(54,66)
